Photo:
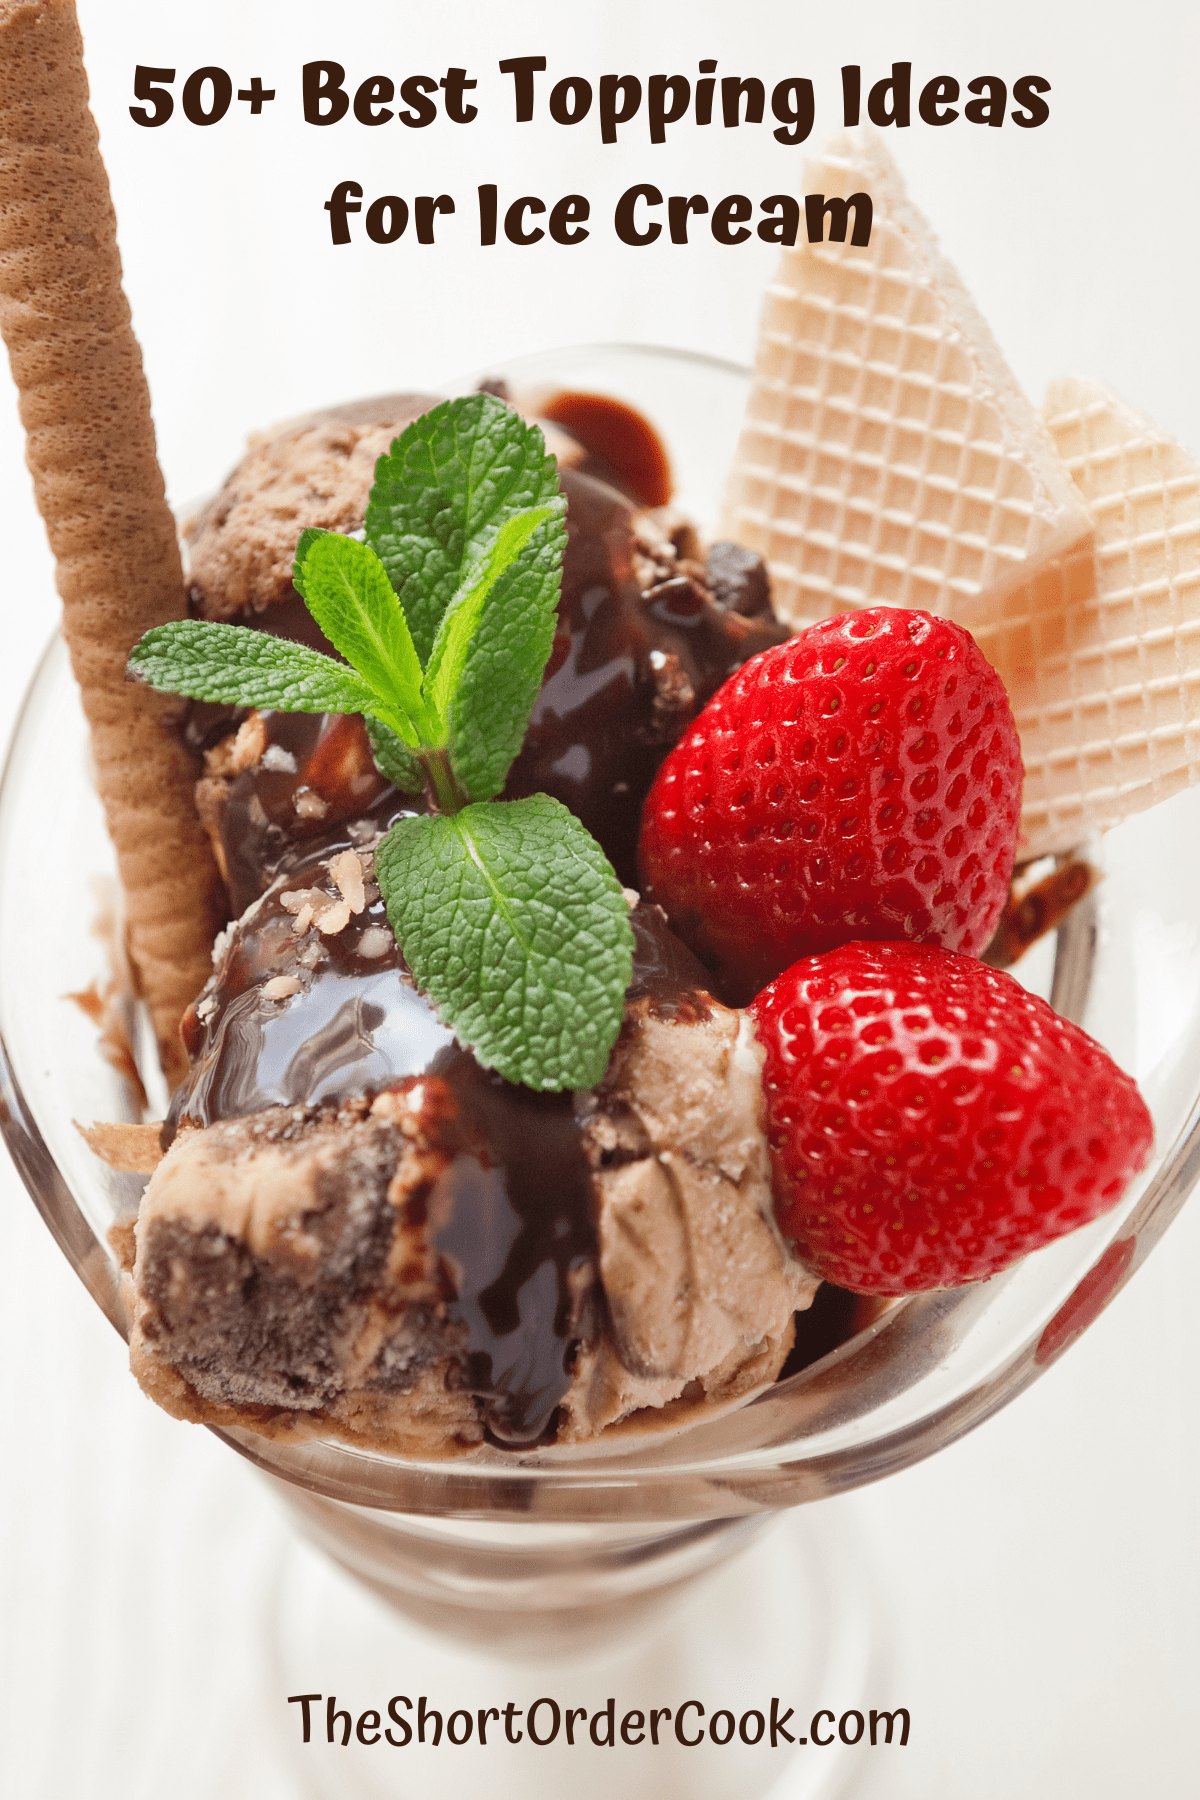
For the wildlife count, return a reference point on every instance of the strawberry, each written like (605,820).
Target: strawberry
(930,1121)
(862,780)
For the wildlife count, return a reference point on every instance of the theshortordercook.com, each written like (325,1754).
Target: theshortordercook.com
(545,1721)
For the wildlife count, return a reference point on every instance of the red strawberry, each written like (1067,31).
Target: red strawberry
(930,1121)
(860,781)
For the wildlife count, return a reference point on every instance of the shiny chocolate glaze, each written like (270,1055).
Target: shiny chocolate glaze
(206,722)
(512,1214)
(622,447)
(354,1024)
(317,773)
(266,811)
(628,672)
(511,1219)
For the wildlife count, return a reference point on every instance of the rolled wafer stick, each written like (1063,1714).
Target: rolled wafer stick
(91,451)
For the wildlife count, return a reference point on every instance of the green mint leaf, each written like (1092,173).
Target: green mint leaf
(237,667)
(448,657)
(442,493)
(347,591)
(514,924)
(488,709)
(304,544)
(394,760)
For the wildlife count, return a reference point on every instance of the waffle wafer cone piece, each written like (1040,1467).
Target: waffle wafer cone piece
(1107,700)
(888,455)
(91,451)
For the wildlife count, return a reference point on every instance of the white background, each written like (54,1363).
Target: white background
(1045,1571)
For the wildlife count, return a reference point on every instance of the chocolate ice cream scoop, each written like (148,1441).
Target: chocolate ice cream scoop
(314,470)
(648,629)
(362,1213)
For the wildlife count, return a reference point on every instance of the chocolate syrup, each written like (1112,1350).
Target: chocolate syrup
(512,1215)
(628,672)
(323,775)
(622,447)
(354,1025)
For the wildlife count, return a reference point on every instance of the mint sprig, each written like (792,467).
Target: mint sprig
(508,914)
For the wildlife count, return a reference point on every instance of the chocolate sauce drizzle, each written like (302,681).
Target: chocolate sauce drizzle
(512,1215)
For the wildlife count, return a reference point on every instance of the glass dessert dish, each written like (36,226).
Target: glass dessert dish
(525,1551)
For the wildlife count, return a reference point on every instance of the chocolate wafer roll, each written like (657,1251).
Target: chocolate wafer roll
(91,451)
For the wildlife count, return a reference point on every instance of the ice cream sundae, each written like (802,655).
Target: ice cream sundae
(595,964)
